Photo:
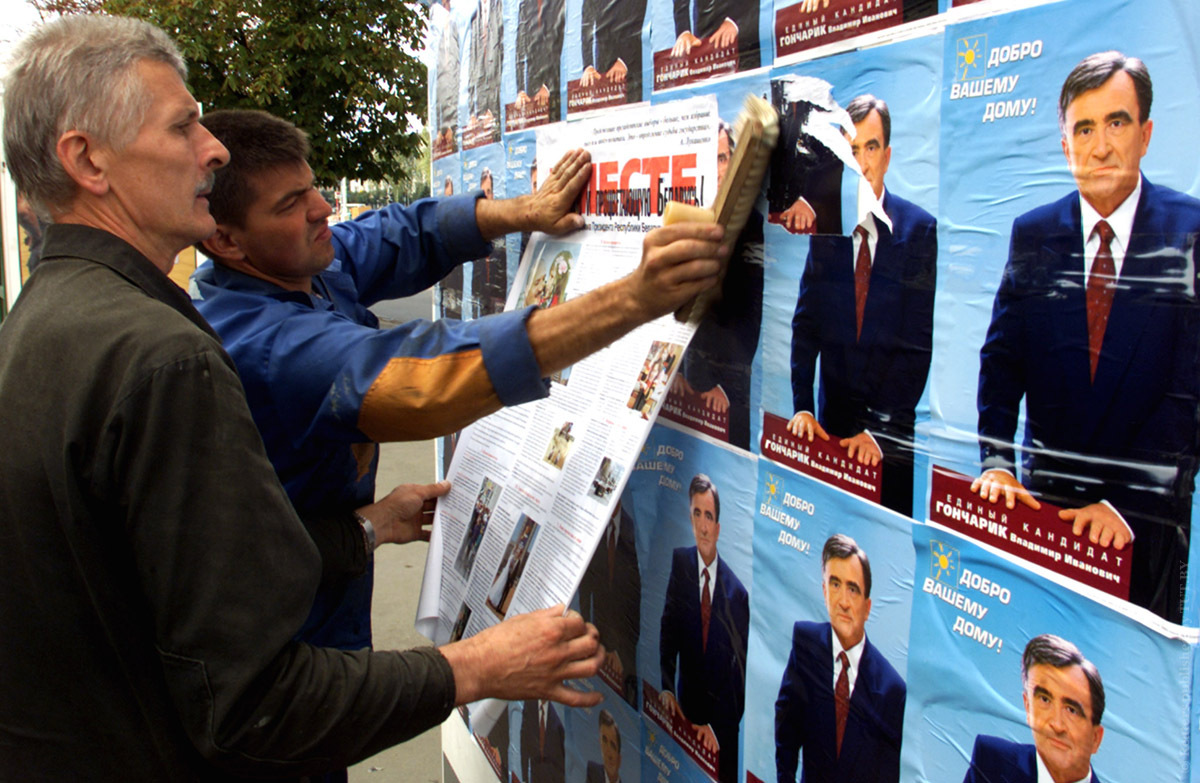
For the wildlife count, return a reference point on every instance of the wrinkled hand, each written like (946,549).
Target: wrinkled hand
(726,35)
(808,6)
(617,72)
(994,483)
(805,425)
(799,218)
(707,737)
(406,513)
(678,262)
(527,657)
(590,76)
(550,208)
(715,399)
(683,44)
(863,448)
(1105,526)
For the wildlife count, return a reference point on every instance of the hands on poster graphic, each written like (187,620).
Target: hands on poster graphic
(704,734)
(799,218)
(1104,525)
(528,657)
(808,6)
(861,447)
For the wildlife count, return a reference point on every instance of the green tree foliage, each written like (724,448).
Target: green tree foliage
(346,71)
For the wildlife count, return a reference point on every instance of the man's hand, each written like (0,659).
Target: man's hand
(522,99)
(617,72)
(808,6)
(805,425)
(994,483)
(678,262)
(542,95)
(590,76)
(726,35)
(528,657)
(549,209)
(681,385)
(863,448)
(406,513)
(683,44)
(1105,526)
(667,701)
(707,737)
(715,399)
(799,218)
(612,661)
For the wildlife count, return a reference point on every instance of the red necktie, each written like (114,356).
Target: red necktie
(705,612)
(1101,286)
(862,278)
(841,699)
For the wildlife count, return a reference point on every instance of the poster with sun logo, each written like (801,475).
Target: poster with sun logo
(1004,663)
(833,572)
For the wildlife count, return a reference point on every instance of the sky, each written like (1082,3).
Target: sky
(19,17)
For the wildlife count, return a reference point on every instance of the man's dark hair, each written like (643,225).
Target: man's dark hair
(1051,650)
(727,129)
(840,547)
(701,484)
(1094,70)
(257,142)
(860,107)
(607,719)
(486,174)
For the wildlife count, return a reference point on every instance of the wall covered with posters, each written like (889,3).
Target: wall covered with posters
(953,437)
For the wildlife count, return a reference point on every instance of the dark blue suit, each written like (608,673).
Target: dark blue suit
(873,381)
(805,714)
(1129,437)
(996,760)
(711,683)
(542,763)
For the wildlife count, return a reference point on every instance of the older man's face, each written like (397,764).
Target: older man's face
(705,526)
(158,183)
(1104,142)
(1058,708)
(610,750)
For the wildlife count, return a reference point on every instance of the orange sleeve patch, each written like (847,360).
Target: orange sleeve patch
(418,399)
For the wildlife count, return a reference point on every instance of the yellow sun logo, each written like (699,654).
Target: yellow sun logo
(970,53)
(944,562)
(772,487)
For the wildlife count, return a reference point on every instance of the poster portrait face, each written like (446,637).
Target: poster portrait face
(610,748)
(872,150)
(1058,708)
(705,525)
(1104,140)
(844,589)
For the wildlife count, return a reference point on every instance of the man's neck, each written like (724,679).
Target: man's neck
(301,284)
(160,250)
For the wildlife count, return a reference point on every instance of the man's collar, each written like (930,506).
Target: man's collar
(230,279)
(1044,776)
(1121,219)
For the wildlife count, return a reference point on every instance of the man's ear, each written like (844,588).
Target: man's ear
(84,161)
(221,245)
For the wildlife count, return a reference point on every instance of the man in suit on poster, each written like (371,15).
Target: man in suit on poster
(1095,327)
(723,22)
(1064,702)
(840,701)
(447,80)
(611,40)
(483,85)
(610,597)
(542,737)
(539,54)
(705,625)
(718,363)
(610,750)
(866,309)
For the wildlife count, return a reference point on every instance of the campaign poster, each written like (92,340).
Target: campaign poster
(521,173)
(799,25)
(443,49)
(446,180)
(713,393)
(483,49)
(1057,375)
(484,169)
(691,497)
(1009,667)
(603,742)
(832,573)
(699,40)
(533,52)
(853,371)
(604,54)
